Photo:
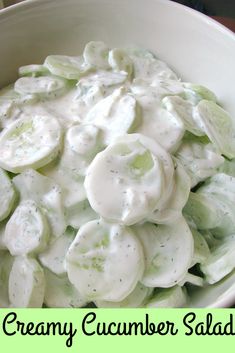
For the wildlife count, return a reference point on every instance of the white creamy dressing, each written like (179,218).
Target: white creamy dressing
(97,261)
(157,122)
(136,172)
(75,105)
(104,149)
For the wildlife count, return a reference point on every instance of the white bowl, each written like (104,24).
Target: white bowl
(196,47)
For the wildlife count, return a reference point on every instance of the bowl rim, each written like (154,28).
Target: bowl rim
(28,4)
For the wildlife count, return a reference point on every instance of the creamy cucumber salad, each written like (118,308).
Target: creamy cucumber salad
(117,183)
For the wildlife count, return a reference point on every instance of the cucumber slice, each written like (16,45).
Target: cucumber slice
(195,93)
(8,93)
(135,299)
(210,238)
(6,110)
(103,78)
(7,195)
(70,169)
(96,54)
(120,61)
(6,261)
(27,230)
(218,125)
(69,67)
(84,139)
(33,70)
(201,249)
(157,123)
(212,206)
(168,251)
(12,104)
(105,261)
(30,142)
(158,89)
(172,209)
(203,211)
(47,194)
(228,167)
(80,146)
(26,283)
(140,52)
(220,262)
(67,177)
(192,279)
(60,293)
(7,98)
(183,110)
(2,232)
(80,214)
(147,67)
(115,115)
(54,256)
(44,86)
(134,171)
(87,95)
(175,297)
(199,159)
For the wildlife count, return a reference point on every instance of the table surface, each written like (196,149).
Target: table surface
(226,21)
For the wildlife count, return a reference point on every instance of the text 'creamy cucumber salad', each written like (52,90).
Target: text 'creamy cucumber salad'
(117,184)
